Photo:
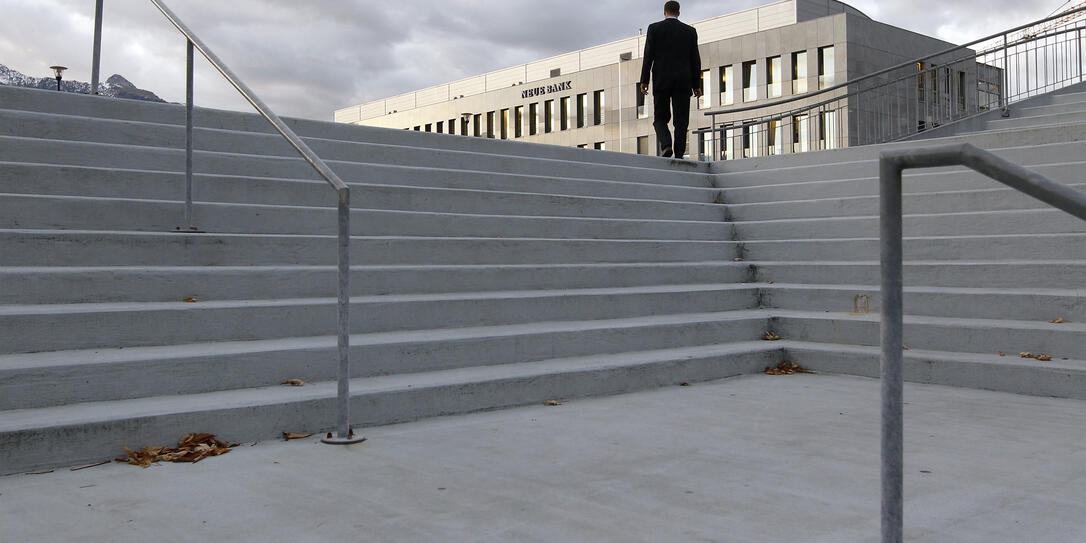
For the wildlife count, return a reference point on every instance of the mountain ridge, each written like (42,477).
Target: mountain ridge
(116,86)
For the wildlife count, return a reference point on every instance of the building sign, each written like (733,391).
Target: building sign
(540,91)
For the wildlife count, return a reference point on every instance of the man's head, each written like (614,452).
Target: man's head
(671,9)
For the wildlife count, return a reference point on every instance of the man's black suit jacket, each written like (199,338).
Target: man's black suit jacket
(671,53)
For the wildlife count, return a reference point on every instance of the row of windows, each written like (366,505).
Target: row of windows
(508,122)
(770,138)
(773,79)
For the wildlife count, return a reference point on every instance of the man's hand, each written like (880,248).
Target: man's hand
(644,88)
(697,93)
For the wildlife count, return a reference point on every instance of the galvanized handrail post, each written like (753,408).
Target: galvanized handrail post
(891,166)
(1006,80)
(96,54)
(188,133)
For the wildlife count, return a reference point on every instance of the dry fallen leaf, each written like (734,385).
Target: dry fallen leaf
(1057,320)
(771,282)
(191,300)
(771,336)
(292,435)
(1026,354)
(719,201)
(684,384)
(737,259)
(1043,357)
(191,448)
(293,382)
(552,403)
(787,368)
(1001,353)
(905,347)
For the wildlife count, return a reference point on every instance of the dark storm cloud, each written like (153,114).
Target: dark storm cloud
(311,57)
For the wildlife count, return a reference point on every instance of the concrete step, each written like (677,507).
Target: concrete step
(1060,274)
(98,107)
(75,153)
(1071,114)
(974,247)
(67,285)
(111,248)
(32,328)
(83,433)
(1057,378)
(599,218)
(1029,221)
(1020,304)
(1025,155)
(64,377)
(1075,104)
(95,130)
(964,335)
(945,201)
(463,190)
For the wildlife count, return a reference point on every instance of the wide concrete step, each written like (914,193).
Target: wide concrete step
(1073,104)
(111,248)
(1039,119)
(88,432)
(64,377)
(1009,273)
(944,201)
(971,247)
(966,335)
(1029,221)
(33,328)
(37,101)
(459,189)
(66,285)
(94,130)
(1027,154)
(1040,305)
(916,182)
(1056,378)
(631,221)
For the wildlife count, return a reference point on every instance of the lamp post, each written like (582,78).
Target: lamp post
(57,71)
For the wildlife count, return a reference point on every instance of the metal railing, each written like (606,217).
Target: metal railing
(891,165)
(344,433)
(910,98)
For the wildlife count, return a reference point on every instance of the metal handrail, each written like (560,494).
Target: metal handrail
(891,165)
(878,106)
(344,432)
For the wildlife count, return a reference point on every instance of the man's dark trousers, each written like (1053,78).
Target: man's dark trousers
(670,101)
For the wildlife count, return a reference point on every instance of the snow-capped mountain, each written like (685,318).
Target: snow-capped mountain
(116,86)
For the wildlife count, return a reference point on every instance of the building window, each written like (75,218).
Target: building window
(799,72)
(750,81)
(961,89)
(801,133)
(477,125)
(429,127)
(464,122)
(491,124)
(726,78)
(582,109)
(518,122)
(505,124)
(826,67)
(705,100)
(582,146)
(705,142)
(441,127)
(565,112)
(827,129)
(600,146)
(642,145)
(548,116)
(752,140)
(773,77)
(598,103)
(452,126)
(533,119)
(642,111)
(418,128)
(773,137)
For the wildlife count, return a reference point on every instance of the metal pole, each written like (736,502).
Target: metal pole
(1006,79)
(188,133)
(620,103)
(344,433)
(891,331)
(96,56)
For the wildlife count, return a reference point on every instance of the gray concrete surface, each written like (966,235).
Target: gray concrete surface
(757,458)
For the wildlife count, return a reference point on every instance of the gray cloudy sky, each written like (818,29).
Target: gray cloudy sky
(307,58)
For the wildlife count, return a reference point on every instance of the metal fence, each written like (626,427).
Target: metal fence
(910,98)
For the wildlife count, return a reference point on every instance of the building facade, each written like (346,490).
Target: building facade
(589,98)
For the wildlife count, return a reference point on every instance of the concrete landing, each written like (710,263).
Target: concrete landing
(750,459)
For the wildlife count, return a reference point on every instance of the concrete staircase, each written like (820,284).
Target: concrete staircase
(486,273)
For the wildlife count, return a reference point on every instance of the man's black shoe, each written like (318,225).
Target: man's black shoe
(667,152)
